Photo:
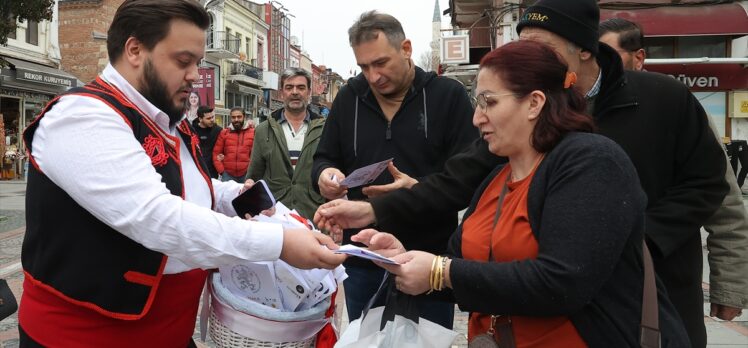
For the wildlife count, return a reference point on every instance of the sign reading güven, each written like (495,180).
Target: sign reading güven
(40,77)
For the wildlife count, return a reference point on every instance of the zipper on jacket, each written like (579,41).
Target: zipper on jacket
(388,133)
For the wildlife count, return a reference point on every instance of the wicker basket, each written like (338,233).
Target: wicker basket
(225,337)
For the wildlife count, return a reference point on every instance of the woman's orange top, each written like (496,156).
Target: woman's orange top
(512,240)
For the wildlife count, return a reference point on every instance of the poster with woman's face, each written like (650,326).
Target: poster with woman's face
(204,88)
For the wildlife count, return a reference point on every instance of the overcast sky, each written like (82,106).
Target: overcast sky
(322,26)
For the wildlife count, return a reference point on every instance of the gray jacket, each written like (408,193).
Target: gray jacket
(727,243)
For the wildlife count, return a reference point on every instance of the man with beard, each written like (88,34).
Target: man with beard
(234,147)
(207,131)
(122,219)
(285,143)
(393,109)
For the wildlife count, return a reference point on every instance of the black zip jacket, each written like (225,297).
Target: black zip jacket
(433,123)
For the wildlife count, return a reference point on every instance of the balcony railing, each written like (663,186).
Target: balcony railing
(222,41)
(241,68)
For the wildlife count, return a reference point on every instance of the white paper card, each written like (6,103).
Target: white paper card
(293,287)
(252,280)
(353,250)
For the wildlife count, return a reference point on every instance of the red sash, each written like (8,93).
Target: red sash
(54,322)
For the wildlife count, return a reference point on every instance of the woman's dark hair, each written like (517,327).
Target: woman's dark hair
(525,66)
(149,22)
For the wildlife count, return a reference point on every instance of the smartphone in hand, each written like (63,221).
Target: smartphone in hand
(254,200)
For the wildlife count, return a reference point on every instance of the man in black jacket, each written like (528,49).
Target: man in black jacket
(207,131)
(393,109)
(657,121)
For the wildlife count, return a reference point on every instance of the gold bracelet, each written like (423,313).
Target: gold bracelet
(438,274)
(443,269)
(432,275)
(435,278)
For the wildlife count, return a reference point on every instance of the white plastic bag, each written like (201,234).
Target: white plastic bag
(397,330)
(400,333)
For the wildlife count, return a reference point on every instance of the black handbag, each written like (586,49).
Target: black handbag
(8,304)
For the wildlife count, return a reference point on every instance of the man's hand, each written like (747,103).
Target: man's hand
(725,312)
(220,157)
(247,185)
(336,215)
(330,188)
(402,180)
(306,249)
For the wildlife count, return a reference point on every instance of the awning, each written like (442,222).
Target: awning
(42,74)
(680,19)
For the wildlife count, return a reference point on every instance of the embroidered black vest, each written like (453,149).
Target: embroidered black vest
(70,253)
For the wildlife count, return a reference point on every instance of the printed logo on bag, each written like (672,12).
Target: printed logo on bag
(245,279)
(299,289)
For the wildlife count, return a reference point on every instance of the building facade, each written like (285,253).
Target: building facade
(279,21)
(30,76)
(83,30)
(236,54)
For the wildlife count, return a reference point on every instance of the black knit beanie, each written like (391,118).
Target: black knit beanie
(574,20)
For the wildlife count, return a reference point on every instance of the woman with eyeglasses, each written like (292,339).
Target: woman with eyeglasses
(549,253)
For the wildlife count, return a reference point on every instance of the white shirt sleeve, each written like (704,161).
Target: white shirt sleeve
(225,192)
(88,150)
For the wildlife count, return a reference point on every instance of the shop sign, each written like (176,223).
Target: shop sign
(41,77)
(23,94)
(455,49)
(698,81)
(739,104)
(706,77)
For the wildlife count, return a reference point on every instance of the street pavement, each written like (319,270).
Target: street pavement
(12,227)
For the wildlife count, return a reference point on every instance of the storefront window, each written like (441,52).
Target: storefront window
(659,47)
(31,110)
(714,104)
(10,108)
(11,149)
(229,100)
(702,46)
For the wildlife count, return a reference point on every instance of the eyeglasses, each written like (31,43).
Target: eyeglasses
(482,99)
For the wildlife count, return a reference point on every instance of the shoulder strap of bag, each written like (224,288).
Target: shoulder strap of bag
(649,334)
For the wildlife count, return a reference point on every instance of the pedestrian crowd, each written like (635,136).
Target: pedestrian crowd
(586,182)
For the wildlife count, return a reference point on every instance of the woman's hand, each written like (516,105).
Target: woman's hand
(381,243)
(412,273)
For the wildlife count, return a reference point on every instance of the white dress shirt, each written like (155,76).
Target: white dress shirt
(88,150)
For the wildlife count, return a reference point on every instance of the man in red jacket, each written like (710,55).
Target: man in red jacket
(234,147)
